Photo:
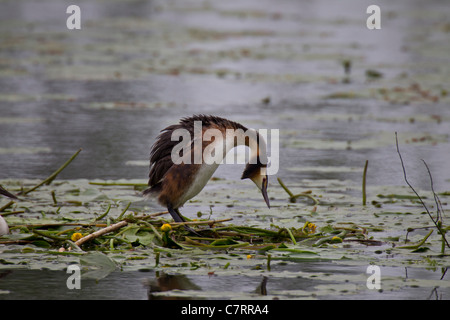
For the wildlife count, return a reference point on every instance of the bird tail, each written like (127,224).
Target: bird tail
(153,191)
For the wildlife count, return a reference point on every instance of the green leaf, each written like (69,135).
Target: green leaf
(41,244)
(96,265)
(223,242)
(134,234)
(296,251)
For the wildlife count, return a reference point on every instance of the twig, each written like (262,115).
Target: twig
(420,199)
(53,175)
(12,212)
(443,275)
(439,210)
(407,182)
(6,206)
(100,232)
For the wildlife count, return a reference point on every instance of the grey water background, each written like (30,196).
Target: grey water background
(52,81)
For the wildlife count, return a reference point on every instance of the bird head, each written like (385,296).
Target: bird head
(258,174)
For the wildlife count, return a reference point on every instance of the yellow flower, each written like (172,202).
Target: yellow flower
(309,227)
(249,256)
(312,227)
(76,236)
(166,227)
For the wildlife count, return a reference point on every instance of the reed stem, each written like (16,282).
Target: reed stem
(364,197)
(54,174)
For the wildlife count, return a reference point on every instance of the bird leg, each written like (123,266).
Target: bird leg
(176,215)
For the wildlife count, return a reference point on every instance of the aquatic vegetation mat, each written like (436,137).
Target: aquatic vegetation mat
(106,226)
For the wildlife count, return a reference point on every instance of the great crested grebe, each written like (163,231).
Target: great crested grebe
(175,182)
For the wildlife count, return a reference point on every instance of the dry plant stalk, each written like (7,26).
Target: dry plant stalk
(52,177)
(100,232)
(438,221)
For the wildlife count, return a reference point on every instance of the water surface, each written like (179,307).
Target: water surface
(137,66)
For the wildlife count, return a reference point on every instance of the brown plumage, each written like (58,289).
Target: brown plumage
(174,184)
(160,155)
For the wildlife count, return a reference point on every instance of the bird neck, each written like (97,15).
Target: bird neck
(249,138)
(211,144)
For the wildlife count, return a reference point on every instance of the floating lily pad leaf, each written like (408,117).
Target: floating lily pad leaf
(41,244)
(102,197)
(134,234)
(296,251)
(19,236)
(391,213)
(96,265)
(89,192)
(130,233)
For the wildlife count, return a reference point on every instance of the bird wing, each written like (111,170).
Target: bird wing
(160,154)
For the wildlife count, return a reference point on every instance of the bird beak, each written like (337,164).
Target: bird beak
(264,193)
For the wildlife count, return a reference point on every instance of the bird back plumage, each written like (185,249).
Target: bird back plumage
(161,151)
